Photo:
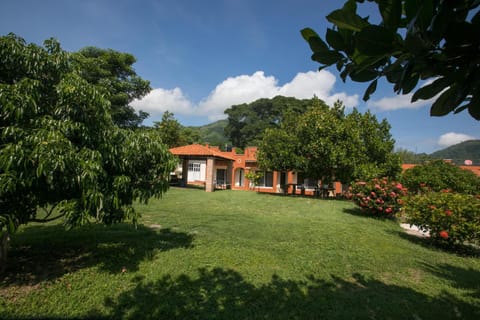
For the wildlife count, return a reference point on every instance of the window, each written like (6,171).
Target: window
(239,174)
(308,183)
(221,176)
(194,167)
(266,180)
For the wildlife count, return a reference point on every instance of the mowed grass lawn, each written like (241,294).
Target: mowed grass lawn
(237,255)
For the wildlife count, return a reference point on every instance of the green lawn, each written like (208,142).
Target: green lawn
(237,255)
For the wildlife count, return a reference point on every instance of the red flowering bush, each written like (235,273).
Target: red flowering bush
(451,218)
(378,197)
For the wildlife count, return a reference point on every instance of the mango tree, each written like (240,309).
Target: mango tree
(61,156)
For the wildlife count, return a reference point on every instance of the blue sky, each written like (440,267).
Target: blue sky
(201,57)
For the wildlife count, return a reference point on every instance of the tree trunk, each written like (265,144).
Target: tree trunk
(3,250)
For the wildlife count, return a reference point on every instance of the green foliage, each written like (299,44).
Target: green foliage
(410,157)
(254,177)
(247,122)
(451,218)
(60,149)
(378,197)
(415,40)
(112,72)
(212,133)
(374,146)
(326,144)
(279,150)
(439,175)
(170,130)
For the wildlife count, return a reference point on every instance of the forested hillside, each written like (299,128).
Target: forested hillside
(467,150)
(212,133)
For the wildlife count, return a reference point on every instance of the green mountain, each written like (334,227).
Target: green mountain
(213,133)
(467,150)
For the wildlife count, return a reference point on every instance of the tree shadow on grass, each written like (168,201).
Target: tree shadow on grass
(464,279)
(44,253)
(225,294)
(426,242)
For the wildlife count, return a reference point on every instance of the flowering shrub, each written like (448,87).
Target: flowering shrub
(379,197)
(451,218)
(440,175)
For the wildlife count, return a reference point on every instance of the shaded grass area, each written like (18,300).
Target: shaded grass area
(237,255)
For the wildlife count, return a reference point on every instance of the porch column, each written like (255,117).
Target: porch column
(230,174)
(184,172)
(209,185)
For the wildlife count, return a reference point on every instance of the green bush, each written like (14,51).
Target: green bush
(440,175)
(451,218)
(378,197)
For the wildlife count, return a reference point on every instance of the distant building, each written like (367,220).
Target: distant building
(215,169)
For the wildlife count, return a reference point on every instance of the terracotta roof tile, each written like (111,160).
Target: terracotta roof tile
(199,150)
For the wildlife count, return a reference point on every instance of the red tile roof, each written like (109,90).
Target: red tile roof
(200,151)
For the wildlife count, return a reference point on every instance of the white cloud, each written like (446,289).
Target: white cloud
(160,100)
(399,102)
(451,138)
(236,90)
(402,101)
(244,89)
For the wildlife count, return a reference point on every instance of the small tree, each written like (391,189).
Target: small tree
(254,178)
(328,145)
(60,150)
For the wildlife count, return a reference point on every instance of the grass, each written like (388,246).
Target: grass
(237,255)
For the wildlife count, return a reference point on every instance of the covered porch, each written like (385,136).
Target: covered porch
(205,166)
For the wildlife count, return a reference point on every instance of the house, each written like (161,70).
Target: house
(216,169)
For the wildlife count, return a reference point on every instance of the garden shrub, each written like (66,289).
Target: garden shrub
(379,197)
(440,175)
(451,218)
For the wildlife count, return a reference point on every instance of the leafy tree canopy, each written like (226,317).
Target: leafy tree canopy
(415,40)
(247,122)
(329,145)
(410,157)
(173,134)
(113,73)
(59,148)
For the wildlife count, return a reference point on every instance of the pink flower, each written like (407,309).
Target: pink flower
(388,210)
(361,183)
(373,194)
(448,212)
(393,194)
(377,186)
(399,186)
(443,234)
(432,207)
